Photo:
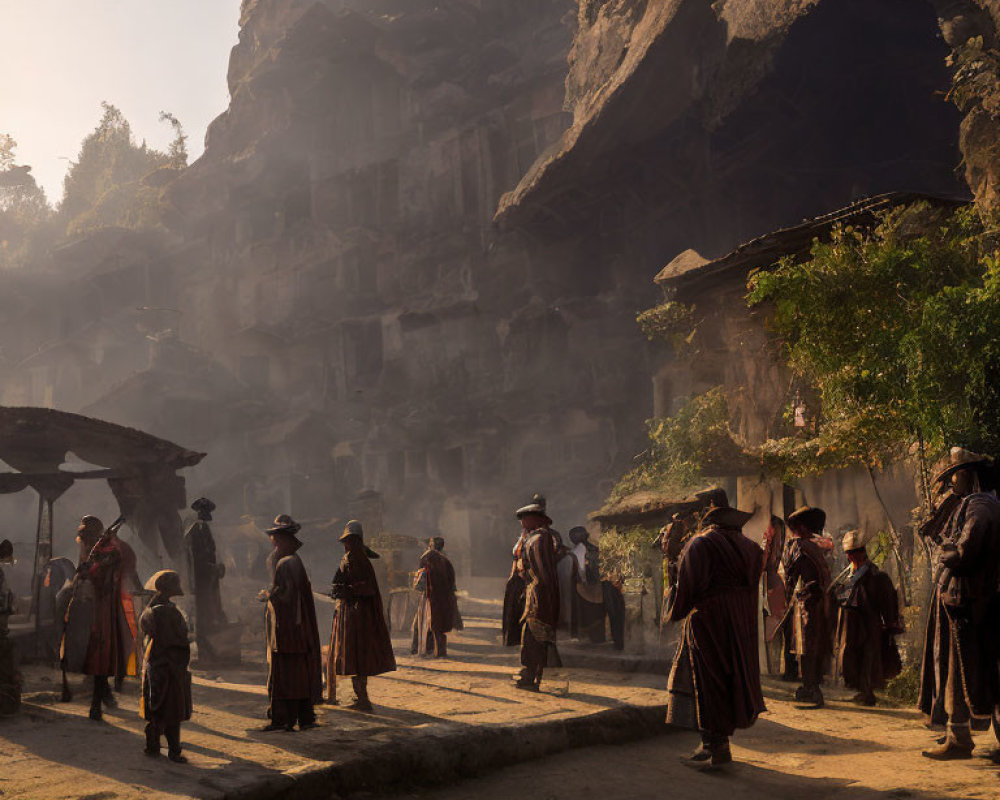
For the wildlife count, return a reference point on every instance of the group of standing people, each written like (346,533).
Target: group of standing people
(850,620)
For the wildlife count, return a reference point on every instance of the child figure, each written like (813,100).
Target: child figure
(166,682)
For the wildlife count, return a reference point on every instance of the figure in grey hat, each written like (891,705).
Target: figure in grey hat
(294,678)
(166,683)
(867,622)
(205,572)
(714,683)
(959,671)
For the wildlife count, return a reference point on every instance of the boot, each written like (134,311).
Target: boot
(362,703)
(712,753)
(957,745)
(152,740)
(96,713)
(174,745)
(862,699)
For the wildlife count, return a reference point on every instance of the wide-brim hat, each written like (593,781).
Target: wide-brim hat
(533,508)
(808,517)
(353,528)
(856,540)
(284,524)
(165,582)
(727,517)
(203,504)
(960,459)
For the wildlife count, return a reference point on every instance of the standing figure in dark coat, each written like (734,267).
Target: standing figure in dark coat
(166,682)
(99,639)
(204,572)
(714,683)
(360,645)
(294,676)
(867,623)
(807,578)
(513,596)
(436,617)
(541,597)
(959,674)
(10,679)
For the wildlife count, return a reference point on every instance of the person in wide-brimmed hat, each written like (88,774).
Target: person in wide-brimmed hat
(166,683)
(714,684)
(360,645)
(536,563)
(205,572)
(811,617)
(294,680)
(867,622)
(958,685)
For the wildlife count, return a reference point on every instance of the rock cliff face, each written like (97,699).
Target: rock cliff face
(334,308)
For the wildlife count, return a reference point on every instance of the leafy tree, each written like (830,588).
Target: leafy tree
(683,448)
(177,152)
(24,209)
(899,332)
(105,186)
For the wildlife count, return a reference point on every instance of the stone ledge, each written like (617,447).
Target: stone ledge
(445,754)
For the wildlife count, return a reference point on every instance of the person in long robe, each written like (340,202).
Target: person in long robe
(714,684)
(205,572)
(360,646)
(10,678)
(867,623)
(97,607)
(513,595)
(294,676)
(435,619)
(541,597)
(773,586)
(807,579)
(567,572)
(166,683)
(959,668)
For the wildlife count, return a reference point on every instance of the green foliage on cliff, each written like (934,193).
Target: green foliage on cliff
(670,321)
(899,332)
(104,186)
(24,209)
(681,447)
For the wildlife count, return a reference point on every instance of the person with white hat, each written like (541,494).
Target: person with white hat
(868,621)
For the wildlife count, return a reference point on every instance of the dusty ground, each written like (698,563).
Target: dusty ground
(53,751)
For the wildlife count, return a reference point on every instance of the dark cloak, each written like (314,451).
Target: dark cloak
(293,649)
(867,623)
(359,643)
(166,682)
(714,682)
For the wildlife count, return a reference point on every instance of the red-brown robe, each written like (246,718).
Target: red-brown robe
(359,643)
(99,604)
(166,682)
(867,623)
(293,649)
(437,612)
(714,682)
(774,586)
(541,596)
(513,601)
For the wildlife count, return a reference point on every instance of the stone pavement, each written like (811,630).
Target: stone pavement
(434,719)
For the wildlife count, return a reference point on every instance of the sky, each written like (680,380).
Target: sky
(60,58)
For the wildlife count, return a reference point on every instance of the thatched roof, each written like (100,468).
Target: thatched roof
(651,507)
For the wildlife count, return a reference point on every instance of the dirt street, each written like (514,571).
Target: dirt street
(457,712)
(838,753)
